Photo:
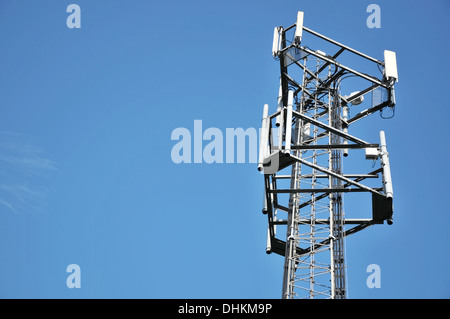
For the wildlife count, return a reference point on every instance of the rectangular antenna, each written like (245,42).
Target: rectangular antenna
(264,138)
(387,179)
(287,142)
(390,65)
(276,42)
(299,28)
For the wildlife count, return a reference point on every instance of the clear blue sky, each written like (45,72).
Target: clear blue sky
(86,176)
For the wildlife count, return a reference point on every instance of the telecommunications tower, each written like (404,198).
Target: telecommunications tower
(302,150)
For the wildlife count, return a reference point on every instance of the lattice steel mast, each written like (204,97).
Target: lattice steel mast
(312,121)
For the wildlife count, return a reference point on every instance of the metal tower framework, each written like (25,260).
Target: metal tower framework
(302,146)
